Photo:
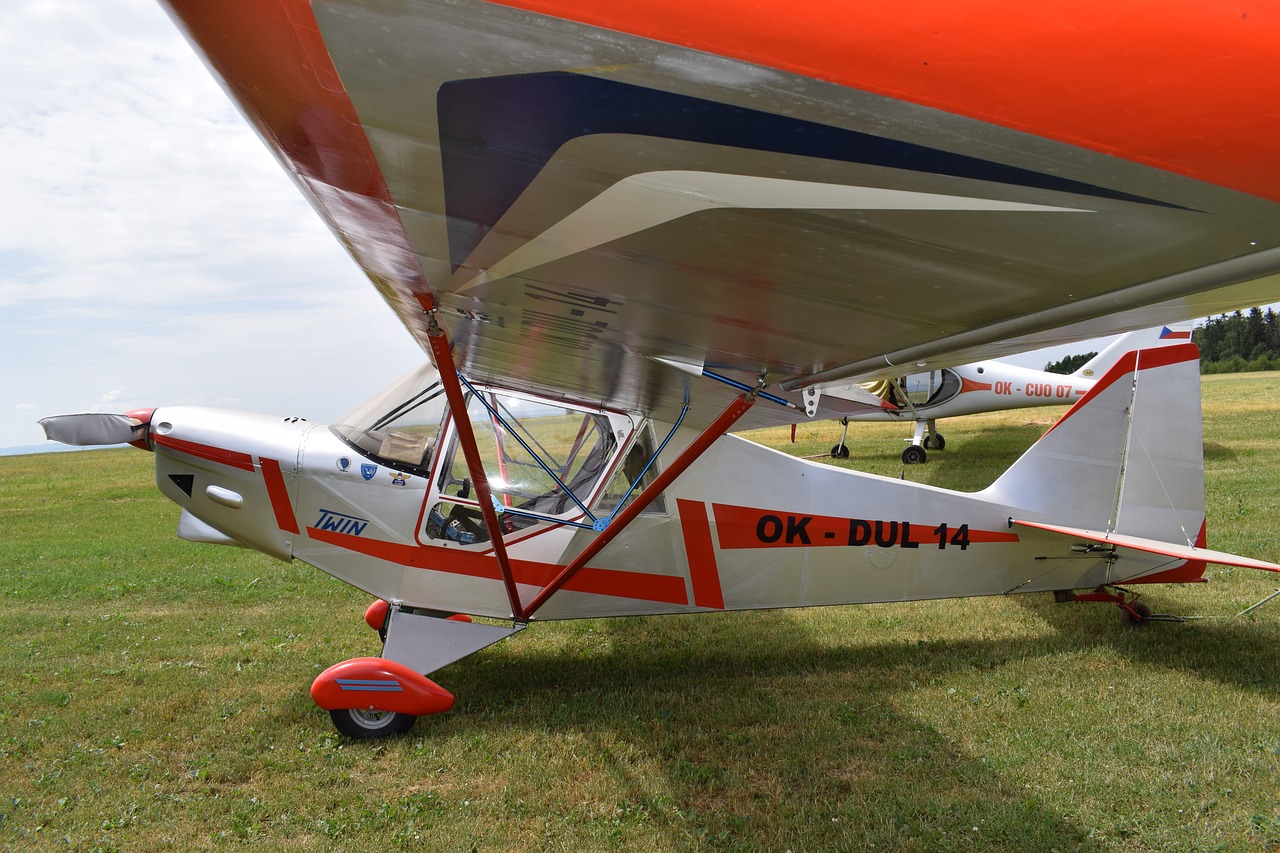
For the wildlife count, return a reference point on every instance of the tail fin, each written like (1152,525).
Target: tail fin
(1127,458)
(1128,342)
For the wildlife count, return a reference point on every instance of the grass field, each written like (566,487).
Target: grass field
(154,695)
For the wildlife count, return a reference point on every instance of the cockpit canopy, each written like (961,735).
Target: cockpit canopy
(542,459)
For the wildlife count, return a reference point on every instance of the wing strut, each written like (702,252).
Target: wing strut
(736,409)
(471,451)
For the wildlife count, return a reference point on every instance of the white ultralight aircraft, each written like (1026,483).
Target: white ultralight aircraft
(620,230)
(986,386)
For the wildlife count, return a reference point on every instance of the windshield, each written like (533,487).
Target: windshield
(400,425)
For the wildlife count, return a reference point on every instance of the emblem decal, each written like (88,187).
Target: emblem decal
(343,463)
(367,470)
(398,479)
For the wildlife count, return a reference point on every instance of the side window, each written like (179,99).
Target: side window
(633,465)
(538,458)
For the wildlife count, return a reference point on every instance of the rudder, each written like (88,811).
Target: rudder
(1128,457)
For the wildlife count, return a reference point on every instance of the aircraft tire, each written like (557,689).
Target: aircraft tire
(359,724)
(1143,611)
(914,455)
(935,441)
(840,451)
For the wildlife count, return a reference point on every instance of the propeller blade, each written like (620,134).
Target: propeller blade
(91,429)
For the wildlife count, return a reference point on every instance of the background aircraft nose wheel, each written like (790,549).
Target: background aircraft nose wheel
(934,441)
(913,455)
(361,724)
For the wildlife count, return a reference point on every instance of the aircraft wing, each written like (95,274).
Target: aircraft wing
(589,192)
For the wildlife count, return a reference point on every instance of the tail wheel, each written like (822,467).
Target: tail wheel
(362,724)
(1136,613)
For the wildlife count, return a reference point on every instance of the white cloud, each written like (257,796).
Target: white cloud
(153,251)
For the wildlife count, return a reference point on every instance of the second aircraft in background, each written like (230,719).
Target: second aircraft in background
(985,386)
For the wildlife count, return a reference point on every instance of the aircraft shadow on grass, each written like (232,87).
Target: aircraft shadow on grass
(1236,652)
(741,716)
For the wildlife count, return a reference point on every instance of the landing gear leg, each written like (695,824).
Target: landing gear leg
(841,451)
(383,696)
(1133,611)
(933,440)
(914,454)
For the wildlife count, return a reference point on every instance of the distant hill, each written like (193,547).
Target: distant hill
(48,447)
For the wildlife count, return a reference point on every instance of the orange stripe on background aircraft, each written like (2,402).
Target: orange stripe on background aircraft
(619,231)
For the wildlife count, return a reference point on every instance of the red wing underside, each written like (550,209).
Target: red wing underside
(589,193)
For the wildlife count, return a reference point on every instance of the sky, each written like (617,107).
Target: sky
(152,251)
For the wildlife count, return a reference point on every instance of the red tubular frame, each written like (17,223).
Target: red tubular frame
(471,451)
(718,427)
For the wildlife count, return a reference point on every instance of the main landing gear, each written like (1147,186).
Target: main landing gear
(1133,611)
(383,696)
(359,724)
(376,697)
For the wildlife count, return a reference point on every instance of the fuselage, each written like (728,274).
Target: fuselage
(973,388)
(744,527)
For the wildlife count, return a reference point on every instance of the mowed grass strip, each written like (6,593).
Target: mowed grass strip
(153,694)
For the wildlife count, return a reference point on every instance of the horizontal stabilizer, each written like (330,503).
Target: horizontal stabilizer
(1153,546)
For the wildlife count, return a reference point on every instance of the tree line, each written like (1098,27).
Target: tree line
(1069,364)
(1232,343)
(1229,343)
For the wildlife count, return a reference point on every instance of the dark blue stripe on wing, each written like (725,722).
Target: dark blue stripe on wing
(497,133)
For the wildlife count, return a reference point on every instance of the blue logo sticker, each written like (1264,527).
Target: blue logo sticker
(343,463)
(367,470)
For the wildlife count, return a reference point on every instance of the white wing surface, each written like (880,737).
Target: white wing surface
(586,192)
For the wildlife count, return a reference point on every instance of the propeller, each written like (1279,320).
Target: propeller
(97,428)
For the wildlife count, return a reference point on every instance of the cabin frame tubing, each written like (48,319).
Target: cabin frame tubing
(449,377)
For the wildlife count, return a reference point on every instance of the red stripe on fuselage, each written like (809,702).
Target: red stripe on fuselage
(669,589)
(704,574)
(277,491)
(233,458)
(279,494)
(1182,85)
